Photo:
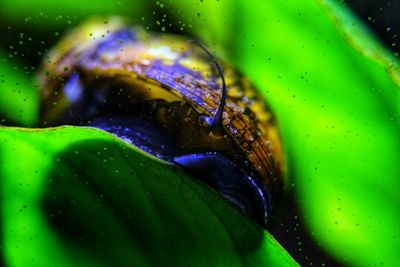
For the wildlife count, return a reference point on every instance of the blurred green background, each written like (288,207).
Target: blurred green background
(334,89)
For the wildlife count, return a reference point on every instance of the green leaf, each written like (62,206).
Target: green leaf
(55,14)
(213,21)
(80,197)
(336,93)
(19,103)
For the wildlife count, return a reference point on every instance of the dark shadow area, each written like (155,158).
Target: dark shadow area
(4,121)
(15,44)
(289,229)
(108,202)
(382,17)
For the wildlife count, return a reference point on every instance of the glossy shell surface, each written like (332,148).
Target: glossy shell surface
(166,67)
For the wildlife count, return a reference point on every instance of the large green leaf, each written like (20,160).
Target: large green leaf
(80,197)
(336,93)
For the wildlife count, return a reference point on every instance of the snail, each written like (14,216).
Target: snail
(163,95)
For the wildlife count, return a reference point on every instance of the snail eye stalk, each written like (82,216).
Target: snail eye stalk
(216,125)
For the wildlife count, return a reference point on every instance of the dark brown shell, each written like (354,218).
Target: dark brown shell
(167,67)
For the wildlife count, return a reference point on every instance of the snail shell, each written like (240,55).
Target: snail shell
(130,71)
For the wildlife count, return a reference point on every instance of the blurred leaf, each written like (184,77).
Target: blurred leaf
(19,103)
(79,197)
(336,93)
(213,21)
(53,14)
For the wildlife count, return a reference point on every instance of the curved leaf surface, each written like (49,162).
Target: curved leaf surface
(80,197)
